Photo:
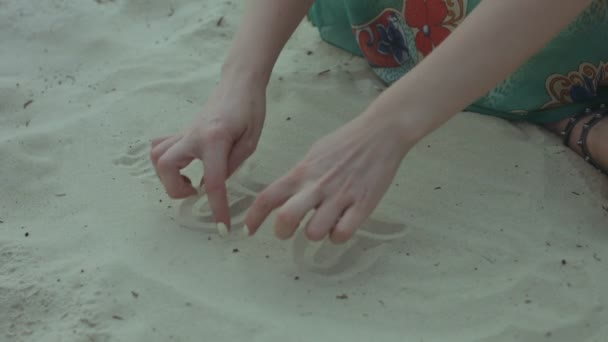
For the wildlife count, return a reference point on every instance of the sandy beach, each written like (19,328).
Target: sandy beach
(491,231)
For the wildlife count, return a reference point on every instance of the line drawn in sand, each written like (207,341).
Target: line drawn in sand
(323,258)
(194,212)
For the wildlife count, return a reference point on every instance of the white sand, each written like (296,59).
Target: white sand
(106,259)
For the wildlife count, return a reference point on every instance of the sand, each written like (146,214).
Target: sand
(505,229)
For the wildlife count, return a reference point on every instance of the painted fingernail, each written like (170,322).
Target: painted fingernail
(246,231)
(222,229)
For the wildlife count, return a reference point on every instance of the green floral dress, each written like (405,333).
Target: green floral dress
(568,75)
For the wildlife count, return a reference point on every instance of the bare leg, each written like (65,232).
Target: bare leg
(597,138)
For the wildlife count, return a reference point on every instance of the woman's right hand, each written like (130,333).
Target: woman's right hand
(223,136)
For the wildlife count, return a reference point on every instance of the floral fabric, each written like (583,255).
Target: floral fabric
(569,74)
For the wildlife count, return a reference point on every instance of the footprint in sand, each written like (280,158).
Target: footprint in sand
(137,161)
(323,258)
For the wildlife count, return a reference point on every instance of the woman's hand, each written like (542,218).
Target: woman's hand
(343,177)
(222,136)
(229,127)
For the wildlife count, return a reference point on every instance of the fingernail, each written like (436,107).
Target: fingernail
(246,231)
(222,229)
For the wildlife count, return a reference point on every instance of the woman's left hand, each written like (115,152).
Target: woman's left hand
(343,177)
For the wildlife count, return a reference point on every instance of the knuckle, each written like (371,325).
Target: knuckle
(314,235)
(173,194)
(262,198)
(164,163)
(283,233)
(286,217)
(318,189)
(155,154)
(214,134)
(341,236)
(262,202)
(299,172)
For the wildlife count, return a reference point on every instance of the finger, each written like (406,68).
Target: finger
(240,152)
(215,162)
(168,167)
(352,219)
(293,211)
(161,147)
(158,140)
(323,220)
(269,199)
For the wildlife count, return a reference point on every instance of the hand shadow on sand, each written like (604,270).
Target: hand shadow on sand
(323,258)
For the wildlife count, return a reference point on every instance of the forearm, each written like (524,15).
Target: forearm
(264,30)
(492,43)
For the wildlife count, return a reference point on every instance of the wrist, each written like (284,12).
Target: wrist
(412,113)
(408,125)
(245,72)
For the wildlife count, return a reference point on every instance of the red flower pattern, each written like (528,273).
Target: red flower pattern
(427,16)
